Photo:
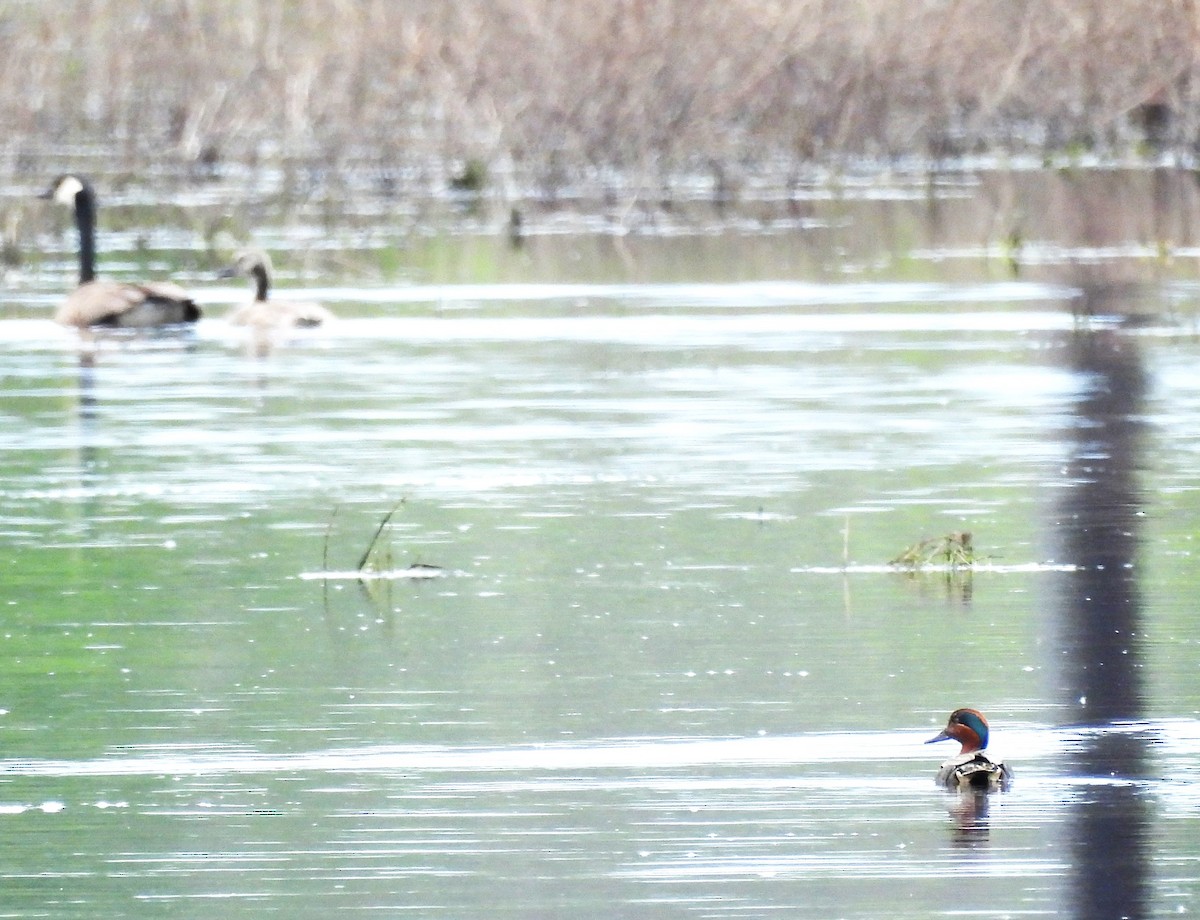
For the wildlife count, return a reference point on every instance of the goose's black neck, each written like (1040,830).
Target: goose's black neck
(85,220)
(262,281)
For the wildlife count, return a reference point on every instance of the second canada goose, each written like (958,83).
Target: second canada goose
(112,303)
(262,313)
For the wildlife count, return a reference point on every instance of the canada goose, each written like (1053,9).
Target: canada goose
(112,303)
(264,314)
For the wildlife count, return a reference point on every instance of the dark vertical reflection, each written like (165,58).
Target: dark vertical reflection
(1098,615)
(82,448)
(1097,527)
(87,404)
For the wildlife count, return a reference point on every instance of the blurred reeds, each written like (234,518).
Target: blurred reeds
(534,97)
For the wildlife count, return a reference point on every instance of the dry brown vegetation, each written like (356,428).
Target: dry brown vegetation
(532,96)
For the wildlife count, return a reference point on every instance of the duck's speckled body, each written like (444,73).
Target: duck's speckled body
(972,768)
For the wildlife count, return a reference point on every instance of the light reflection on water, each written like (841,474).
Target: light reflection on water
(632,754)
(666,669)
(651,814)
(718,825)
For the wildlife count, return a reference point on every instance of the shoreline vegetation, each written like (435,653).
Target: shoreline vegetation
(1072,122)
(533,98)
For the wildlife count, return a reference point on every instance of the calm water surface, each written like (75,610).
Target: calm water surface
(663,668)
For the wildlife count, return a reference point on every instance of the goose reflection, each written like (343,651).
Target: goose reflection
(86,405)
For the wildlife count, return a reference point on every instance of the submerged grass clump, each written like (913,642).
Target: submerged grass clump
(954,550)
(377,558)
(377,561)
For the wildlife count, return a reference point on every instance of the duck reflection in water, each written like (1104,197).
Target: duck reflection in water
(972,774)
(969,811)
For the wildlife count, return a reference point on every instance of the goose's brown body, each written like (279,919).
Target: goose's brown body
(262,313)
(112,304)
(127,306)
